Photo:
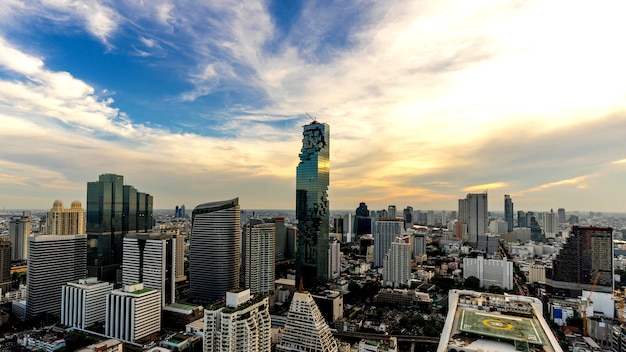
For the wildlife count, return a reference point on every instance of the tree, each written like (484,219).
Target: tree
(472,282)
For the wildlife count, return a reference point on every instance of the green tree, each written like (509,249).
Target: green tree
(472,282)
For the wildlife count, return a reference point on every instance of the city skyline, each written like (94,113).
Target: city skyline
(428,101)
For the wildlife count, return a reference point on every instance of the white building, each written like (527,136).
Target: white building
(489,271)
(390,345)
(536,273)
(550,224)
(243,325)
(53,262)
(83,302)
(498,227)
(150,258)
(385,232)
(259,259)
(334,259)
(305,329)
(397,263)
(132,313)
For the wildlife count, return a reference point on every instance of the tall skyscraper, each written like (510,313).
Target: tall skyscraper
(312,209)
(243,324)
(19,231)
(280,252)
(151,260)
(587,252)
(66,221)
(215,245)
(53,262)
(113,210)
(561,213)
(259,257)
(508,212)
(397,263)
(391,211)
(477,216)
(550,224)
(385,233)
(362,220)
(305,328)
(334,259)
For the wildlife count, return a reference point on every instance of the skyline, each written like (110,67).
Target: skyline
(426,101)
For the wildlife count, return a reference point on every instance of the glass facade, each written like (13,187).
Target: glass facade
(312,210)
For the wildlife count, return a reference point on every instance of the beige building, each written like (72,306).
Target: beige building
(66,221)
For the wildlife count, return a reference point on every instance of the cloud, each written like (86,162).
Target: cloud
(485,187)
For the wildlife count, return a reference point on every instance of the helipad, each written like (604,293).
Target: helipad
(500,326)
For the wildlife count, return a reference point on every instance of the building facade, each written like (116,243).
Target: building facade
(83,302)
(305,328)
(508,212)
(489,271)
(259,258)
(243,325)
(397,264)
(66,221)
(5,265)
(312,208)
(550,224)
(477,216)
(19,231)
(54,261)
(216,244)
(385,232)
(132,313)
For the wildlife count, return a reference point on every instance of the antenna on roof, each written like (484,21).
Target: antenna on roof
(311,117)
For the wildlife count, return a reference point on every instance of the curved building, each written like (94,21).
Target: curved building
(214,250)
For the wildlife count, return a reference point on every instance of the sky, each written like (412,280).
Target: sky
(197,101)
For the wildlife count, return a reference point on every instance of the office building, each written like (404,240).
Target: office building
(508,212)
(397,263)
(391,211)
(54,261)
(463,210)
(550,224)
(305,328)
(150,258)
(479,321)
(408,217)
(312,208)
(5,265)
(561,215)
(385,232)
(498,227)
(334,259)
(521,219)
(215,250)
(419,244)
(259,259)
(243,324)
(488,243)
(113,210)
(477,216)
(132,313)
(66,221)
(19,232)
(83,302)
(587,254)
(362,221)
(490,272)
(280,240)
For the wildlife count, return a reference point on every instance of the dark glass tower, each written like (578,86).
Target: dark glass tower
(215,249)
(113,210)
(312,211)
(508,212)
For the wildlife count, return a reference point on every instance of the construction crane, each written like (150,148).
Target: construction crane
(587,301)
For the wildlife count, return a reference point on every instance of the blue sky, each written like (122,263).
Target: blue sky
(427,100)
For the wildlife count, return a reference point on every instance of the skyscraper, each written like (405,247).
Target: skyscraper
(66,221)
(477,216)
(113,210)
(53,262)
(215,245)
(5,264)
(83,302)
(19,231)
(305,328)
(397,263)
(561,214)
(508,212)
(312,209)
(132,312)
(550,224)
(259,257)
(587,253)
(385,232)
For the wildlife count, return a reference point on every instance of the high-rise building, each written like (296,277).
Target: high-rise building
(391,211)
(280,252)
(397,263)
(83,302)
(150,258)
(305,328)
(498,272)
(477,216)
(561,214)
(508,212)
(243,324)
(132,312)
(66,221)
(408,217)
(550,224)
(587,254)
(334,259)
(385,233)
(215,245)
(53,262)
(521,219)
(19,231)
(113,210)
(362,220)
(463,210)
(312,209)
(259,257)
(5,264)
(419,244)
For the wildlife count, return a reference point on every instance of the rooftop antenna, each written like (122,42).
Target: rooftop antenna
(311,117)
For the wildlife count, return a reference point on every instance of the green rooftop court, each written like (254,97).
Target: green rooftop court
(499,326)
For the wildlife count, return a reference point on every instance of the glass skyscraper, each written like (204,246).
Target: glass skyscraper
(312,210)
(508,212)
